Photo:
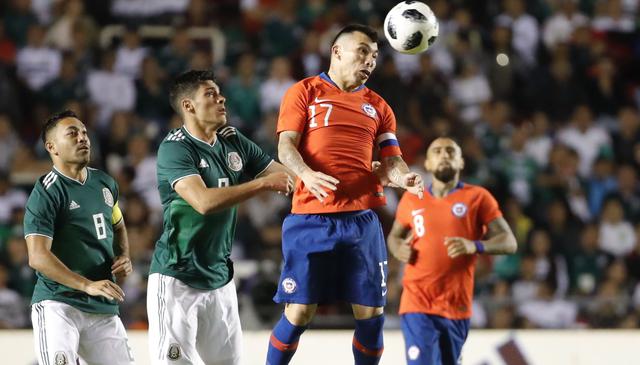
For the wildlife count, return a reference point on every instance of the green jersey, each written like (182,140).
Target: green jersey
(78,217)
(196,248)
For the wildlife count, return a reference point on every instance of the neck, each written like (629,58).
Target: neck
(202,131)
(74,171)
(342,84)
(440,189)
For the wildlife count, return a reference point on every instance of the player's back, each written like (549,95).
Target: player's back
(436,283)
(338,135)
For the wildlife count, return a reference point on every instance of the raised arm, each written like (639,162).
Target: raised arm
(397,172)
(44,261)
(316,182)
(210,200)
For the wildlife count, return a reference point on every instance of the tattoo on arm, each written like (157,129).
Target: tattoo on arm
(288,152)
(395,168)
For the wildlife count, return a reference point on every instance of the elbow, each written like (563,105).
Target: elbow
(513,246)
(202,208)
(35,262)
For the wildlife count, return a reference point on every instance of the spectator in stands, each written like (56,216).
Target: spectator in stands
(525,29)
(36,63)
(12,308)
(174,57)
(9,143)
(560,26)
(617,236)
(547,311)
(273,88)
(626,137)
(18,19)
(539,143)
(7,47)
(588,264)
(600,183)
(60,32)
(22,278)
(140,158)
(130,54)
(68,86)
(243,94)
(151,103)
(10,198)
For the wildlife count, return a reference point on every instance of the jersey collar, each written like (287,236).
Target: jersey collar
(326,77)
(72,179)
(184,127)
(458,187)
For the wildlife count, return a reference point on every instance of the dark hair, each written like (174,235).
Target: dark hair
(351,28)
(186,84)
(53,120)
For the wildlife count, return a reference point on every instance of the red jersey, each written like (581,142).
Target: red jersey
(339,131)
(435,283)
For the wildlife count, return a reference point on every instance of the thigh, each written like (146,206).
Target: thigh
(103,341)
(309,268)
(421,339)
(219,338)
(55,331)
(453,335)
(173,321)
(362,261)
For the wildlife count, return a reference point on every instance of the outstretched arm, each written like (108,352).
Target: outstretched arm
(316,182)
(398,173)
(499,240)
(44,261)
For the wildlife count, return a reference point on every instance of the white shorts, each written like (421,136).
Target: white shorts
(63,334)
(192,326)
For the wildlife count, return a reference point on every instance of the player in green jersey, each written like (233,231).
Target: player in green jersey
(204,169)
(77,243)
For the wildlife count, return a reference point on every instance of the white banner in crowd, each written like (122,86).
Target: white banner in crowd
(484,347)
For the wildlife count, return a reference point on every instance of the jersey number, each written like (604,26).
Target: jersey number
(418,224)
(101,229)
(312,109)
(383,266)
(223,182)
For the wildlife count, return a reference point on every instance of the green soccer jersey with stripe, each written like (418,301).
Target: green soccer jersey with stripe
(78,217)
(196,248)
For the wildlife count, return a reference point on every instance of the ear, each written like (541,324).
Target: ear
(187,106)
(50,147)
(336,51)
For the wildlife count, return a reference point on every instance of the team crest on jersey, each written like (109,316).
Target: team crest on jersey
(174,352)
(289,285)
(60,358)
(369,110)
(459,210)
(108,198)
(234,161)
(413,352)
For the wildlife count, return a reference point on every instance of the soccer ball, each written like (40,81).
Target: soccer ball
(411,27)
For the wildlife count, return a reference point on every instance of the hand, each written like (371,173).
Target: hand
(105,288)
(413,183)
(376,167)
(457,246)
(403,251)
(121,267)
(316,182)
(280,182)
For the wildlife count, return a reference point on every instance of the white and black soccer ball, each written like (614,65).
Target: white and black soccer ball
(411,27)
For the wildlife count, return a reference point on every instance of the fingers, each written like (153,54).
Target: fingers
(328,178)
(110,290)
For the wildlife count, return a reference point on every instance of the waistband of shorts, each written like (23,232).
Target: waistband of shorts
(349,214)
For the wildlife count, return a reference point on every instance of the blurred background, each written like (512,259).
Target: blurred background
(543,96)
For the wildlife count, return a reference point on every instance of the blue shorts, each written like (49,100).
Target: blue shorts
(433,340)
(330,257)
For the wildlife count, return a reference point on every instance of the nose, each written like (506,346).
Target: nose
(221,99)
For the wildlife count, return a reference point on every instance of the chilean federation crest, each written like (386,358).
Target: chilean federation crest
(369,110)
(234,161)
(108,198)
(459,210)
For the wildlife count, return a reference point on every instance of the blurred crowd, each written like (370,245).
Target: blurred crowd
(543,96)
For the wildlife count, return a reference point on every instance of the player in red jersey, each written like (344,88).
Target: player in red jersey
(332,243)
(440,238)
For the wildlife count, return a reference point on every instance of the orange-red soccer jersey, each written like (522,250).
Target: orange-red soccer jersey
(339,130)
(435,283)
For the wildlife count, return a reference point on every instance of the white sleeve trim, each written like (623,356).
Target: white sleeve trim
(38,234)
(385,136)
(173,183)
(265,169)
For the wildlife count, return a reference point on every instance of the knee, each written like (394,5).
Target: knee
(300,314)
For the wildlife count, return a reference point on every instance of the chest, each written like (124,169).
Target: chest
(220,168)
(342,112)
(445,217)
(87,207)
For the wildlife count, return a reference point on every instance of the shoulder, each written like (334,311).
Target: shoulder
(102,176)
(305,86)
(175,140)
(473,192)
(228,133)
(375,98)
(47,181)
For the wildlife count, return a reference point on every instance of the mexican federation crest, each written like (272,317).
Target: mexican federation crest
(60,358)
(174,352)
(234,161)
(108,198)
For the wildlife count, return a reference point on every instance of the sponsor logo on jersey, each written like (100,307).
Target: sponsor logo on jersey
(234,161)
(318,101)
(108,198)
(60,358)
(174,352)
(203,163)
(74,205)
(413,352)
(289,285)
(459,210)
(369,110)
(417,211)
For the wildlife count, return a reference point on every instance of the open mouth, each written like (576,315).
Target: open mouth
(365,73)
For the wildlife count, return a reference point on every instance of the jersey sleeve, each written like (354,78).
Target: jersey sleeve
(403,212)
(489,209)
(40,212)
(256,159)
(175,162)
(293,109)
(386,138)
